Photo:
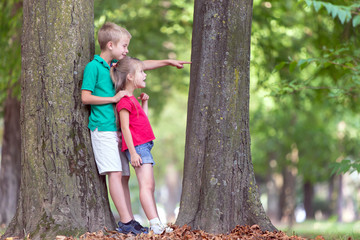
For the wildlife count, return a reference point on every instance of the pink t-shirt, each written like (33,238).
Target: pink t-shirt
(139,124)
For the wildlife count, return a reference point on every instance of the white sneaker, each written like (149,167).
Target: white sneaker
(159,228)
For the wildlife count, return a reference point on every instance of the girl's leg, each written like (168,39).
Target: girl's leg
(118,196)
(145,176)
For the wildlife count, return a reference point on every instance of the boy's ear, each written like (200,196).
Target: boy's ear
(110,45)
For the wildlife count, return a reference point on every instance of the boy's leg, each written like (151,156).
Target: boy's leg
(145,176)
(125,185)
(125,177)
(111,161)
(118,196)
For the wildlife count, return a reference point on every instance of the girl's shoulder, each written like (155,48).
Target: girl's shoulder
(127,102)
(127,98)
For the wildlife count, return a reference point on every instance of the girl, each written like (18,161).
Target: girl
(137,135)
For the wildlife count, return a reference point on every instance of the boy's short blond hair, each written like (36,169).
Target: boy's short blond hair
(111,32)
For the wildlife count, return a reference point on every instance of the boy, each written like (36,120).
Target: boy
(98,91)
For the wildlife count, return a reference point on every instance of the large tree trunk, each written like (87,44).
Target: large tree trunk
(61,191)
(219,188)
(10,160)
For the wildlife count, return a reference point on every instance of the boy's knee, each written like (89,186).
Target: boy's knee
(125,179)
(115,175)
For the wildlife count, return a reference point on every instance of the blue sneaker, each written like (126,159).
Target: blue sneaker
(133,227)
(137,225)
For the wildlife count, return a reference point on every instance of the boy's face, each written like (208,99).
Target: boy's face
(120,49)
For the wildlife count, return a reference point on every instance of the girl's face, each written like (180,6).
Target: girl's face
(139,77)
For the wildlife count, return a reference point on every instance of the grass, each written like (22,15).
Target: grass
(330,230)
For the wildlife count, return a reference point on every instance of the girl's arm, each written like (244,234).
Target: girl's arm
(152,64)
(88,98)
(125,130)
(144,102)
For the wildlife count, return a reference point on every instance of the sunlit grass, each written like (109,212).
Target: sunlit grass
(328,229)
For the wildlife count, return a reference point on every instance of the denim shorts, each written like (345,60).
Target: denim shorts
(144,151)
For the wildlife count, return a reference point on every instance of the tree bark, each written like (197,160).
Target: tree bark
(61,192)
(219,189)
(10,160)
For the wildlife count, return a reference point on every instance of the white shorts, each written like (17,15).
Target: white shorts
(107,150)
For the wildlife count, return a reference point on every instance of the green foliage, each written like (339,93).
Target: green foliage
(10,44)
(344,13)
(335,63)
(344,60)
(346,165)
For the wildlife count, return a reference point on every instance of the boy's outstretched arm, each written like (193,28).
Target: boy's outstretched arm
(152,64)
(88,98)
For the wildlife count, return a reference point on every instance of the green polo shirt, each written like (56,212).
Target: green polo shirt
(97,80)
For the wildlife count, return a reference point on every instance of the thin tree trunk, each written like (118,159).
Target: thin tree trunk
(288,197)
(340,199)
(272,189)
(332,196)
(61,192)
(10,160)
(219,188)
(173,185)
(308,200)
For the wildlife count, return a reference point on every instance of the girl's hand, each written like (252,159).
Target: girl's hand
(143,97)
(136,160)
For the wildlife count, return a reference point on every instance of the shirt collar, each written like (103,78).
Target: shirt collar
(102,61)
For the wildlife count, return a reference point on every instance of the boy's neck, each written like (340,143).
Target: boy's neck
(106,56)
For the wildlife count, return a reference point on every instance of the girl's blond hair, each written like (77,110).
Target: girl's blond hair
(119,72)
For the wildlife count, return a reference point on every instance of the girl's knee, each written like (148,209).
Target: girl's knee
(149,186)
